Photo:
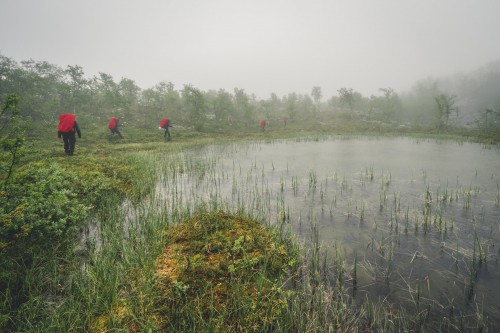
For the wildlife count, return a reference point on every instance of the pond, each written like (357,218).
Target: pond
(410,218)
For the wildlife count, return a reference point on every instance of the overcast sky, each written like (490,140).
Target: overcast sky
(261,46)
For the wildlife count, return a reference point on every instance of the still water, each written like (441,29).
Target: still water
(419,216)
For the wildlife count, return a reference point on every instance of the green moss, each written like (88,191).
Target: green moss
(227,269)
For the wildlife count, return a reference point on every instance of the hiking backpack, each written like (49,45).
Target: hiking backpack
(164,122)
(66,123)
(112,123)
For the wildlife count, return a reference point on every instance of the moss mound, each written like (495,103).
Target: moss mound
(222,272)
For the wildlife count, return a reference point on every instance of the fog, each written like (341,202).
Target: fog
(260,46)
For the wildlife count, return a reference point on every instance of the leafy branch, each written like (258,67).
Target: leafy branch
(12,137)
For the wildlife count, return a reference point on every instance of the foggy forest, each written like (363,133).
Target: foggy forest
(458,102)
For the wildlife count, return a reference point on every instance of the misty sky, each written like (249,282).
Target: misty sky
(261,46)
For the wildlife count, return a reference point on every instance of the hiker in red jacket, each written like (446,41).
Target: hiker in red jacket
(285,119)
(165,124)
(263,125)
(113,127)
(66,129)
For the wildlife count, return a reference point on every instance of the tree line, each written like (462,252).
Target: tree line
(47,90)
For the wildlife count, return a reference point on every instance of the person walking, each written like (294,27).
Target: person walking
(67,129)
(263,125)
(165,124)
(285,119)
(113,127)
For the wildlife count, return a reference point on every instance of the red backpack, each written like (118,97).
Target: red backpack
(66,123)
(112,123)
(164,122)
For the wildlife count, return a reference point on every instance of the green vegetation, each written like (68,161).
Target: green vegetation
(432,105)
(243,267)
(85,246)
(141,272)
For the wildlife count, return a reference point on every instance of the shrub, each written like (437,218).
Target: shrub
(41,204)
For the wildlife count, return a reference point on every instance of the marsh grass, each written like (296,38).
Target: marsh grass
(136,270)
(141,271)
